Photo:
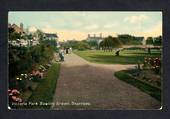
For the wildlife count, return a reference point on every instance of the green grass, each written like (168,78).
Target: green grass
(46,89)
(151,90)
(126,56)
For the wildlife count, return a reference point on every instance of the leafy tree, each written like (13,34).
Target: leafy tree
(69,44)
(109,43)
(52,43)
(40,35)
(30,36)
(13,35)
(82,45)
(127,39)
(149,41)
(93,44)
(158,41)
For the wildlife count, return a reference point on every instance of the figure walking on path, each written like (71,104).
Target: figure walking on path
(61,55)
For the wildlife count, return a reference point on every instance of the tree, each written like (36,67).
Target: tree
(83,45)
(109,43)
(149,41)
(127,39)
(158,41)
(92,44)
(52,43)
(40,35)
(71,43)
(13,35)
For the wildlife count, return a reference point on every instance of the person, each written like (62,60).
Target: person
(67,50)
(61,54)
(149,50)
(70,49)
(117,51)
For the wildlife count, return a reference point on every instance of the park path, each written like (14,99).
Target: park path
(85,85)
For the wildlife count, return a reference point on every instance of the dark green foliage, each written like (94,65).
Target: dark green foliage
(52,43)
(73,44)
(151,90)
(21,59)
(45,91)
(80,45)
(13,35)
(126,39)
(158,41)
(83,46)
(40,35)
(109,43)
(93,44)
(149,41)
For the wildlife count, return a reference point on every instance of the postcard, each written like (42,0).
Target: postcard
(85,60)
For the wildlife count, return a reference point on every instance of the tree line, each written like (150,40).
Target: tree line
(108,43)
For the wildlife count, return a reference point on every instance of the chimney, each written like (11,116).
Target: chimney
(100,35)
(21,26)
(88,35)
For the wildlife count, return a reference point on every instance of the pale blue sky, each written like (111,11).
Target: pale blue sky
(87,22)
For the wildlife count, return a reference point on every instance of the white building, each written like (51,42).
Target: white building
(95,38)
(51,36)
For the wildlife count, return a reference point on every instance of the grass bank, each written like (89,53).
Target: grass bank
(46,89)
(151,90)
(126,56)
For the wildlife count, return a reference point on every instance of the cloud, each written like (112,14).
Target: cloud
(77,23)
(92,27)
(32,29)
(70,35)
(48,29)
(65,34)
(77,35)
(136,19)
(108,26)
(154,31)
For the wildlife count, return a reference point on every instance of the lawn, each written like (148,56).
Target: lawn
(46,89)
(126,56)
(145,87)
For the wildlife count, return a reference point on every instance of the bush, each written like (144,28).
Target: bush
(154,64)
(83,46)
(45,91)
(23,59)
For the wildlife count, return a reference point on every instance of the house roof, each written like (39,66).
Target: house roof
(50,35)
(16,28)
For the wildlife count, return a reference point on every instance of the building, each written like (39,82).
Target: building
(18,29)
(51,36)
(94,38)
(23,42)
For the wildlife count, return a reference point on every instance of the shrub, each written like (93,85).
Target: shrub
(45,91)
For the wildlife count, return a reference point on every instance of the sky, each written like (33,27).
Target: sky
(78,24)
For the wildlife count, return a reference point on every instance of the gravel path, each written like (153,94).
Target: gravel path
(84,85)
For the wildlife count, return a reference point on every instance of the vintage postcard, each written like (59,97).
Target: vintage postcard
(85,60)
